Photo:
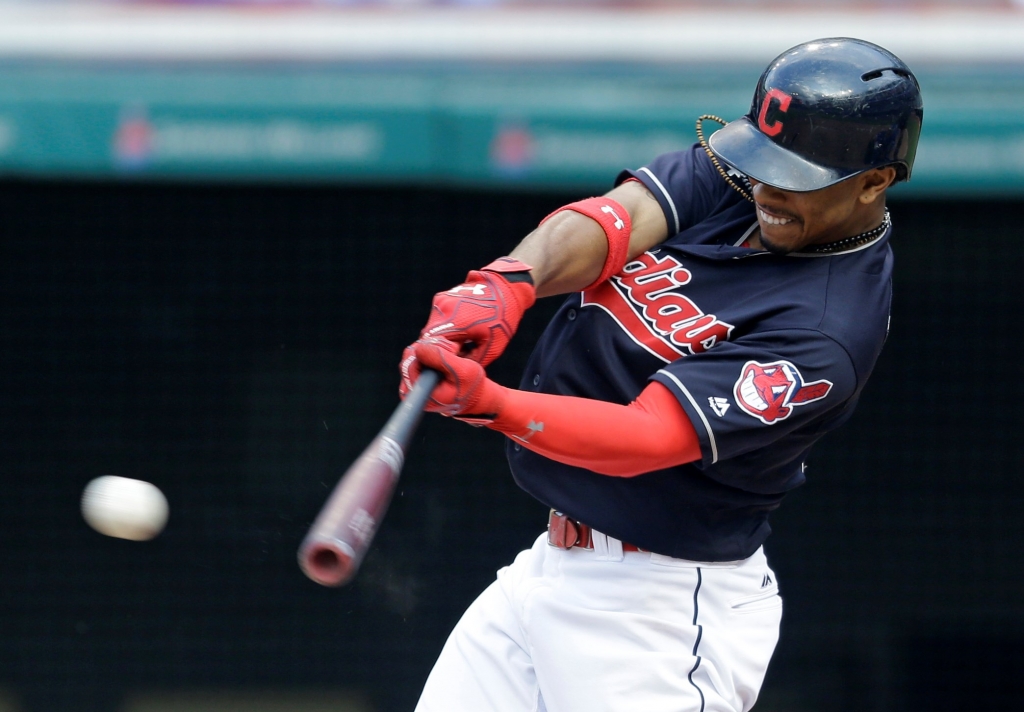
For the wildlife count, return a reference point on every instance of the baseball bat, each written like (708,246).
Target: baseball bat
(343,531)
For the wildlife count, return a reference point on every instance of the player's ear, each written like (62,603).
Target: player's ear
(875,182)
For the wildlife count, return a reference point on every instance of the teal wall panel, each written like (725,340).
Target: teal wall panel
(563,126)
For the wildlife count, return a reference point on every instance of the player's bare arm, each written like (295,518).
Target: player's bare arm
(568,251)
(572,249)
(575,247)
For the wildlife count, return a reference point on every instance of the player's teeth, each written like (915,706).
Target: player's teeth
(774,220)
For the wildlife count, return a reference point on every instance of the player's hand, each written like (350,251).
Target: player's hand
(465,392)
(481,315)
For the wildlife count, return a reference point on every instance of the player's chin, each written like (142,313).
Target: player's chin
(781,239)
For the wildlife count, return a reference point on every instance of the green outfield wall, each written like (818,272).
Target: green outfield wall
(529,126)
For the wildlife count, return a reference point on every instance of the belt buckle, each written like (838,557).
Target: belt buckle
(562,531)
(565,532)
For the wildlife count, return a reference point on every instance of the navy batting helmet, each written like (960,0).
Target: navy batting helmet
(824,111)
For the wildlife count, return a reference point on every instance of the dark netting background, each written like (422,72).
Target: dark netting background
(237,347)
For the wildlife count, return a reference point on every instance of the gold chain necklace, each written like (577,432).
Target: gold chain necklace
(848,243)
(714,160)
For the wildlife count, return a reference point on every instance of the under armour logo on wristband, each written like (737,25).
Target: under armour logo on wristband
(477,290)
(619,224)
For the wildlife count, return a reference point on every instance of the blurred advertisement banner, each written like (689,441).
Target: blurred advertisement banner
(543,95)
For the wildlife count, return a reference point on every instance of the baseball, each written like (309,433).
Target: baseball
(124,508)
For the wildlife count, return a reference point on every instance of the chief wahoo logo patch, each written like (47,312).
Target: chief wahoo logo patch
(770,391)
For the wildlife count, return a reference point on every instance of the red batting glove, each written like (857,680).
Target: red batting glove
(465,392)
(480,315)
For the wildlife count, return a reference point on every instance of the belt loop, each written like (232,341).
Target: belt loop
(606,548)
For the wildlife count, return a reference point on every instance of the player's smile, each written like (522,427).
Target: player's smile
(790,221)
(780,229)
(772,218)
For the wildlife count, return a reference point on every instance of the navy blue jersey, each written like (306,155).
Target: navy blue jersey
(765,353)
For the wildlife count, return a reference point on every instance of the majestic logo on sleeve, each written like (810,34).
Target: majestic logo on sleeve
(644,301)
(769,391)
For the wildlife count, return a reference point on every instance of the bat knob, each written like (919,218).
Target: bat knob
(329,562)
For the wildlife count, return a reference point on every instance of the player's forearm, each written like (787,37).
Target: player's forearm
(568,251)
(652,433)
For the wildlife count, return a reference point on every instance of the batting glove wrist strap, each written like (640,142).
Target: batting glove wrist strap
(511,269)
(615,221)
(481,315)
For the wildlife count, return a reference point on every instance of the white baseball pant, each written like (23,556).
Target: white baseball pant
(600,630)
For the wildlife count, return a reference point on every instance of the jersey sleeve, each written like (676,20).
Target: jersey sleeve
(685,183)
(773,394)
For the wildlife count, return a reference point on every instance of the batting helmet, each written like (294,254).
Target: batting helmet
(824,111)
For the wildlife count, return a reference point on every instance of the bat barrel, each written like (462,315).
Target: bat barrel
(343,531)
(328,562)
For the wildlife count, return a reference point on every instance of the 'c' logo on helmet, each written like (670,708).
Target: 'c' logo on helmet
(774,128)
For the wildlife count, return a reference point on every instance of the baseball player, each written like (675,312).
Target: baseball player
(726,306)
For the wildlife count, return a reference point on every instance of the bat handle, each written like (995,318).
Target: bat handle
(403,421)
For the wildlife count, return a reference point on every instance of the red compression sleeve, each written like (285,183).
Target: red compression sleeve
(651,433)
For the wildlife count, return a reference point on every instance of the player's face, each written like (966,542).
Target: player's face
(790,221)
